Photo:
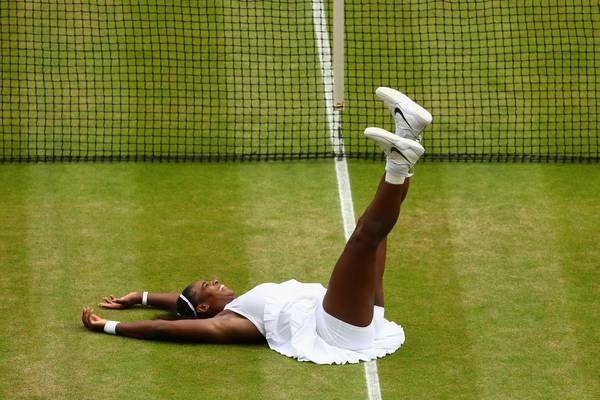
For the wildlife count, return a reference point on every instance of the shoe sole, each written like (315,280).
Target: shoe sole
(403,145)
(393,97)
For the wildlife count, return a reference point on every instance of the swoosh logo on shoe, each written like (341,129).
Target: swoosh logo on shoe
(399,111)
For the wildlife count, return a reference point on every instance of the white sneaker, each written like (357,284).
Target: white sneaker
(399,150)
(410,117)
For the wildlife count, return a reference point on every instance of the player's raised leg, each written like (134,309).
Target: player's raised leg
(356,281)
(352,287)
(380,258)
(351,291)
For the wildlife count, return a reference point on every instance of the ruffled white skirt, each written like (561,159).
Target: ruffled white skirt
(291,316)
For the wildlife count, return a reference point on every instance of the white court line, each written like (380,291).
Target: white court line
(341,166)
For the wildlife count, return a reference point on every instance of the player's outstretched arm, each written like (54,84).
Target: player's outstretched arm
(164,301)
(226,328)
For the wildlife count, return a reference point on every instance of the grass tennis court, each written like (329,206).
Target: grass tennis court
(492,269)
(492,272)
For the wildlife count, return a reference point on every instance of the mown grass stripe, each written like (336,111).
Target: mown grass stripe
(341,167)
(291,219)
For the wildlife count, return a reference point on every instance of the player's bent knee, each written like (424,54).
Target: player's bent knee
(367,234)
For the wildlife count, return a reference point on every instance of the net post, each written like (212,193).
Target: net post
(338,54)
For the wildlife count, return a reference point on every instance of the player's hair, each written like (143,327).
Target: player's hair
(182,310)
(185,306)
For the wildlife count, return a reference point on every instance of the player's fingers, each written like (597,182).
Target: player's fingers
(85,316)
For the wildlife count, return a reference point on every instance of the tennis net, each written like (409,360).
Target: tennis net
(240,80)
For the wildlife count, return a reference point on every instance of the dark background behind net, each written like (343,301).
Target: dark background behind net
(231,80)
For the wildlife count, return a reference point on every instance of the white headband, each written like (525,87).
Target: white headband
(181,296)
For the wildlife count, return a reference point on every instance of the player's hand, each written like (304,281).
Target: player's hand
(92,321)
(121,303)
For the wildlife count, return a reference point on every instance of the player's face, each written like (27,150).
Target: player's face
(211,290)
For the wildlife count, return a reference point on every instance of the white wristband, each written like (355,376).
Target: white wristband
(111,327)
(145,299)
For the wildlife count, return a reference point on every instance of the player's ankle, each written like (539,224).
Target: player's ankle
(394,179)
(395,173)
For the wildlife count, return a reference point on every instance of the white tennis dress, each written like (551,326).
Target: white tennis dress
(291,317)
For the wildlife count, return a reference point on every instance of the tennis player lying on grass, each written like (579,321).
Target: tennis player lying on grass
(343,323)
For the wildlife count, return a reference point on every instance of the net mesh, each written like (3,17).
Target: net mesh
(236,80)
(160,79)
(504,80)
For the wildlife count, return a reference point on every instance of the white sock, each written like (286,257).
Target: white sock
(396,173)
